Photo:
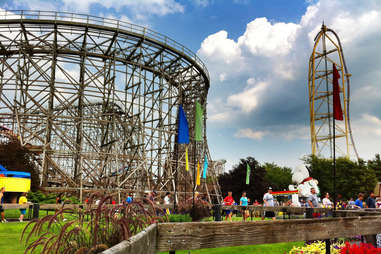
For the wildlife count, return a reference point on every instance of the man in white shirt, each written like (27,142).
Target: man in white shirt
(167,199)
(268,200)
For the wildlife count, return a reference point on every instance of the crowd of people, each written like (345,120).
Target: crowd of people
(312,201)
(268,200)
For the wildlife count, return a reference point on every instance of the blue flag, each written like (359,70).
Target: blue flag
(183,137)
(205,167)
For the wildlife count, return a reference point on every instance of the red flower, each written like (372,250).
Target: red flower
(364,248)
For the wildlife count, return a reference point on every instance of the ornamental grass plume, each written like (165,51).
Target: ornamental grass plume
(92,229)
(363,248)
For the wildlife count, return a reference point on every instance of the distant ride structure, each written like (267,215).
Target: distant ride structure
(97,99)
(327,50)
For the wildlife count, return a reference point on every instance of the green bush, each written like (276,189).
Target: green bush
(42,198)
(179,218)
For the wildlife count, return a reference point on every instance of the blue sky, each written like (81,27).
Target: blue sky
(257,54)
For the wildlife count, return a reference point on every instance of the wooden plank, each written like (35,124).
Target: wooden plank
(199,235)
(301,210)
(143,243)
(14,206)
(290,209)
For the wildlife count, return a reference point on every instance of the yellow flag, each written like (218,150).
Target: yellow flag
(186,159)
(198,174)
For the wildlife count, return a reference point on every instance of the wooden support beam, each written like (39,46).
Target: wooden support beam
(200,235)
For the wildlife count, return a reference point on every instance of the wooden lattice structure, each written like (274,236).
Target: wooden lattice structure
(98,98)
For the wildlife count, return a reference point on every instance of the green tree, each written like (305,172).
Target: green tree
(351,177)
(235,180)
(279,177)
(15,157)
(375,164)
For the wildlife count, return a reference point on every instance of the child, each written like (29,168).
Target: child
(22,201)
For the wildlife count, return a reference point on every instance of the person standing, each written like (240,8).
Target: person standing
(167,198)
(351,203)
(129,198)
(313,202)
(359,201)
(268,201)
(370,201)
(2,190)
(228,201)
(167,201)
(22,200)
(326,201)
(244,202)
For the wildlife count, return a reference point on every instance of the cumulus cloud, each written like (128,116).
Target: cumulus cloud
(249,133)
(219,47)
(276,54)
(263,38)
(248,99)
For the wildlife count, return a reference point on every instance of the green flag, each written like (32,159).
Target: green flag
(198,122)
(247,173)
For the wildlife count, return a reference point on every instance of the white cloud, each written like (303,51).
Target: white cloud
(249,98)
(218,111)
(367,135)
(220,47)
(220,117)
(263,38)
(249,133)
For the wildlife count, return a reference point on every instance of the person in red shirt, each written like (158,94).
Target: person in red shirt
(229,201)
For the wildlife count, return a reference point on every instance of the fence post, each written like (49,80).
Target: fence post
(327,246)
(36,211)
(309,212)
(30,211)
(217,212)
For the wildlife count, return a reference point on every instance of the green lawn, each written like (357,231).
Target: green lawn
(10,234)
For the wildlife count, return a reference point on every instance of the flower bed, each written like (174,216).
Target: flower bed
(318,247)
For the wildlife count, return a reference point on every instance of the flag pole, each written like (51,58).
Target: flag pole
(185,177)
(334,167)
(194,170)
(176,168)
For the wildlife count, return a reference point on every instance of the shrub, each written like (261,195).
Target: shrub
(179,218)
(108,225)
(50,198)
(197,211)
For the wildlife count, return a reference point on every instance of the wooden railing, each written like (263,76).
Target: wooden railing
(199,235)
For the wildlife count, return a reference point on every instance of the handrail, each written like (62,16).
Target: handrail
(94,20)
